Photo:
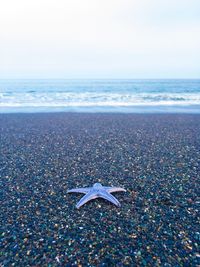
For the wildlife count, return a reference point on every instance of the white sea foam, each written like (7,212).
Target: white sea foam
(88,99)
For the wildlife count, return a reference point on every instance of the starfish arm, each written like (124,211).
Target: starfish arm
(89,196)
(114,189)
(79,190)
(110,198)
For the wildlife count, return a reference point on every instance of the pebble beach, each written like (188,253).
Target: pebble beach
(155,157)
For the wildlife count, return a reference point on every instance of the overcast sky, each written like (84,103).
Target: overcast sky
(99,38)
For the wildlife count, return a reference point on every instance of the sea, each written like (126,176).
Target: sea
(100,95)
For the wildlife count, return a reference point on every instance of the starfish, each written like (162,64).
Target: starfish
(97,190)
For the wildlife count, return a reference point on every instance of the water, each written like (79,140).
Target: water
(100,96)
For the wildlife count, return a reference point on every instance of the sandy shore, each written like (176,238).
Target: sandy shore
(155,157)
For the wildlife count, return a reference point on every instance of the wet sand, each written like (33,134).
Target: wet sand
(156,158)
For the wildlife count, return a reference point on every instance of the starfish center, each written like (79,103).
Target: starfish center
(97,186)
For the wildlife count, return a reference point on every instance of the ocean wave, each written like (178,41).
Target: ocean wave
(92,99)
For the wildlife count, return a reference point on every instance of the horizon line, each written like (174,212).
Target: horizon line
(62,78)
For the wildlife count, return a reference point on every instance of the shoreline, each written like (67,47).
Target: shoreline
(140,109)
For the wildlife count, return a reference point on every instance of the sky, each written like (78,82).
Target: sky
(100,39)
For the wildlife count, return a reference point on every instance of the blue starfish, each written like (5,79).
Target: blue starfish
(97,191)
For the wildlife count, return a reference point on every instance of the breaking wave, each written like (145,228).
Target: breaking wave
(89,96)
